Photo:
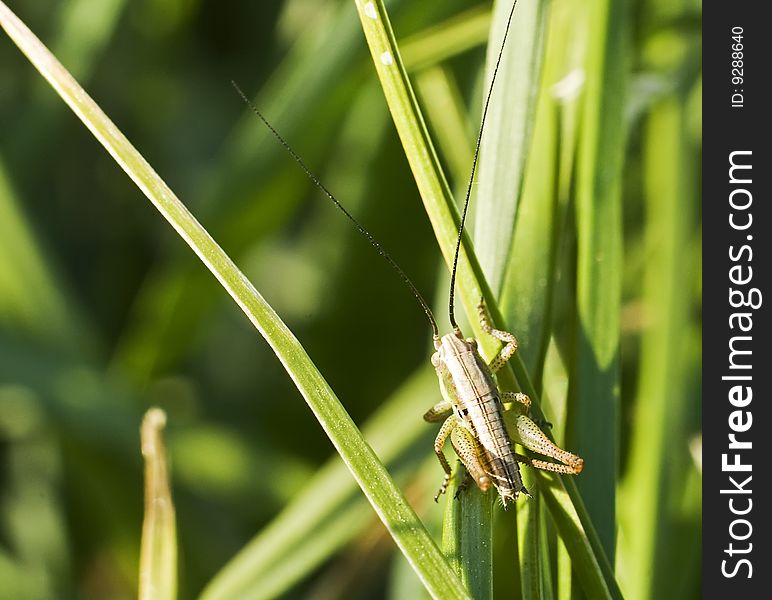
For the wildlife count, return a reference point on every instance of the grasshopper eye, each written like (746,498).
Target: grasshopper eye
(436,359)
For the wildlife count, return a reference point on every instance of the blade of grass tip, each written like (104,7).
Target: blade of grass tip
(158,552)
(387,500)
(472,286)
(505,145)
(595,381)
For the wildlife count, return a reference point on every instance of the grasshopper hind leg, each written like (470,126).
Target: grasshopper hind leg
(530,436)
(465,445)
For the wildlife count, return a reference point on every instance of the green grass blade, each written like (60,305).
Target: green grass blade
(329,505)
(467,536)
(434,191)
(530,543)
(527,291)
(237,191)
(455,36)
(649,523)
(545,556)
(504,148)
(424,164)
(158,554)
(505,145)
(595,380)
(35,557)
(383,494)
(29,294)
(445,110)
(84,29)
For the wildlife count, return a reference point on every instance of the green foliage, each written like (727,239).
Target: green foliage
(588,232)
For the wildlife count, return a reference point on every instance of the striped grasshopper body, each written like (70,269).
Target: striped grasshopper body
(474,417)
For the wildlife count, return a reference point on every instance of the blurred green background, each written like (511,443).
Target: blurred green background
(104,311)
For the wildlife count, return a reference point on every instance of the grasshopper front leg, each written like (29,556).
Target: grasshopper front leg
(447,428)
(517,397)
(508,338)
(439,411)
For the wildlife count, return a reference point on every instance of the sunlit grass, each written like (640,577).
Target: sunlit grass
(586,216)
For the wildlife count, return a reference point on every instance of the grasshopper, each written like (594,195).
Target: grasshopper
(473,416)
(472,408)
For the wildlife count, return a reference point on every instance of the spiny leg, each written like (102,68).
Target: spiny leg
(530,436)
(546,466)
(447,427)
(509,339)
(465,445)
(517,397)
(438,412)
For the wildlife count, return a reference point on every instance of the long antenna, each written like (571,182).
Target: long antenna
(328,193)
(451,302)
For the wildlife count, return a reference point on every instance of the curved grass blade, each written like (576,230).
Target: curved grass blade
(387,500)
